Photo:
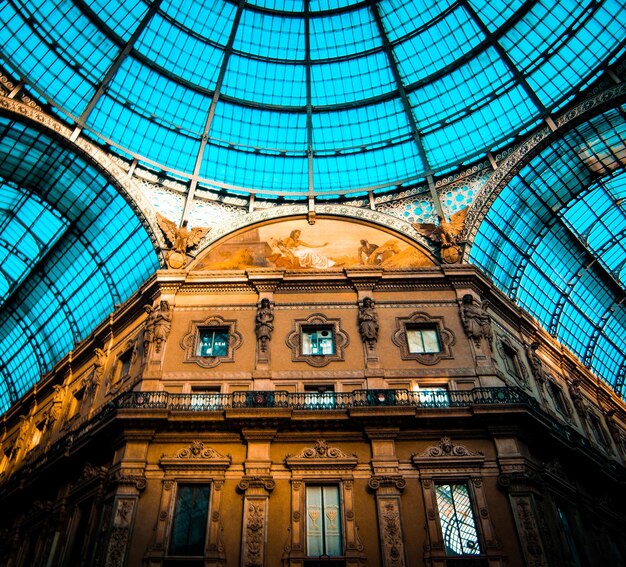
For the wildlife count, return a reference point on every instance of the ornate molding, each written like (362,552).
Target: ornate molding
(197,455)
(294,340)
(446,453)
(393,481)
(264,482)
(420,319)
(321,455)
(190,341)
(520,374)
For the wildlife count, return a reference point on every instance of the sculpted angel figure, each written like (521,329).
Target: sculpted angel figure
(181,239)
(445,234)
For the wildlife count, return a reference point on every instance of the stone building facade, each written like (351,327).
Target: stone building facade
(336,417)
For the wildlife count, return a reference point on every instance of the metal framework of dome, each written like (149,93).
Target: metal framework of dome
(292,100)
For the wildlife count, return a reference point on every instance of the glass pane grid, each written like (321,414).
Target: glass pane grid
(458,527)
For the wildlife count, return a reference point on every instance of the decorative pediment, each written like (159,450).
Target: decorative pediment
(446,452)
(321,455)
(196,455)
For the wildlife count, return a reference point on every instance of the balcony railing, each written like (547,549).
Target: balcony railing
(324,400)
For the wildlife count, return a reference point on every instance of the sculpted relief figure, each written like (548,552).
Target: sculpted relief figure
(535,363)
(181,239)
(264,324)
(476,320)
(157,326)
(101,359)
(368,323)
(446,235)
(162,324)
(148,329)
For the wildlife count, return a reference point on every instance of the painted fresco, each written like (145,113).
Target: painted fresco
(327,244)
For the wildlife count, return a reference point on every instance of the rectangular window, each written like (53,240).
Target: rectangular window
(596,429)
(458,525)
(423,340)
(124,364)
(510,361)
(319,397)
(323,521)
(569,536)
(317,341)
(205,398)
(433,396)
(213,342)
(76,400)
(557,396)
(189,523)
(37,434)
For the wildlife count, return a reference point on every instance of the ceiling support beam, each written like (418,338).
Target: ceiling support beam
(228,51)
(493,41)
(113,69)
(393,65)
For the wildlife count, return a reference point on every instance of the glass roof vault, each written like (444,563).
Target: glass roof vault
(287,100)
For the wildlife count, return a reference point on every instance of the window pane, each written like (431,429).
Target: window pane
(317,342)
(323,521)
(213,342)
(437,397)
(332,520)
(423,340)
(190,520)
(314,533)
(458,527)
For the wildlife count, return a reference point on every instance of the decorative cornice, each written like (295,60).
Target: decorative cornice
(265,482)
(197,455)
(395,481)
(321,455)
(447,453)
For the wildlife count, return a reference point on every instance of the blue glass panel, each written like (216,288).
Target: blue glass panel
(247,128)
(210,19)
(187,56)
(493,14)
(401,18)
(269,36)
(351,80)
(122,17)
(365,126)
(242,169)
(265,82)
(350,171)
(454,35)
(344,34)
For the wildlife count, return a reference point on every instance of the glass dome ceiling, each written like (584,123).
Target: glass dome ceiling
(308,97)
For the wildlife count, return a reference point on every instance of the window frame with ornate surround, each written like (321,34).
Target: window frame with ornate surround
(195,464)
(317,320)
(190,341)
(420,319)
(519,373)
(450,464)
(321,465)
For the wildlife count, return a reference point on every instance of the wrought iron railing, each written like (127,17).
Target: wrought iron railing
(324,400)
